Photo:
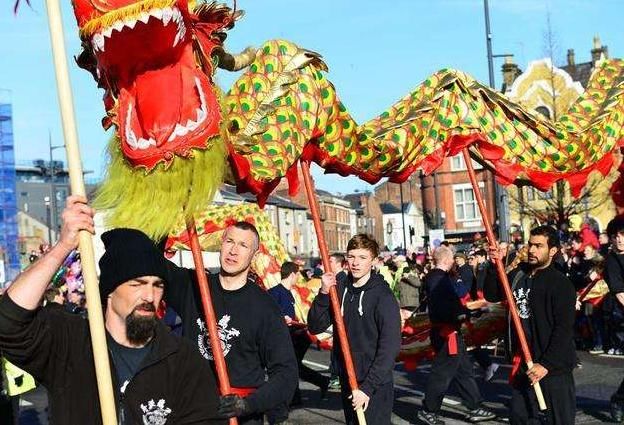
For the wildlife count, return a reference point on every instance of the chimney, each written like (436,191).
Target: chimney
(571,57)
(510,72)
(598,50)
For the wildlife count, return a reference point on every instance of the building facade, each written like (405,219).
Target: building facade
(551,90)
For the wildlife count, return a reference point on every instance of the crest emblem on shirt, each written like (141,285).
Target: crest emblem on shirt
(522,302)
(226,334)
(155,413)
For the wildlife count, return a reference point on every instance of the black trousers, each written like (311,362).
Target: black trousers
(301,343)
(482,356)
(447,369)
(379,410)
(619,394)
(560,396)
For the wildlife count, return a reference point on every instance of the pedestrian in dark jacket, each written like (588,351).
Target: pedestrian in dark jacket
(157,377)
(282,294)
(373,324)
(254,337)
(452,363)
(545,300)
(614,302)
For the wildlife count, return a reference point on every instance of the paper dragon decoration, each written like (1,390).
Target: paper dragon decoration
(178,137)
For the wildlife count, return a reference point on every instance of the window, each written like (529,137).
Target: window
(466,207)
(458,164)
(530,194)
(547,195)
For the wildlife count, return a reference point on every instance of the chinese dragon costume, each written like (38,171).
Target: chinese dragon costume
(178,137)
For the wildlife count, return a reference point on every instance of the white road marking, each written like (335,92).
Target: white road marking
(447,401)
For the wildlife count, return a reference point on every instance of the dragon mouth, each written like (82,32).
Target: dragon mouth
(137,142)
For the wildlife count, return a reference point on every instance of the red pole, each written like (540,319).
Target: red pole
(333,294)
(502,277)
(211,321)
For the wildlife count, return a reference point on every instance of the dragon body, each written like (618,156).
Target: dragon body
(178,137)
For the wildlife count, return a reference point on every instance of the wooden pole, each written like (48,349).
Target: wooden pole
(502,276)
(209,314)
(87,256)
(333,294)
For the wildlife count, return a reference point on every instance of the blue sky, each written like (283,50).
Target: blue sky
(377,51)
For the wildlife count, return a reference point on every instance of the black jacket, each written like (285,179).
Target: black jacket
(55,347)
(444,306)
(552,303)
(252,330)
(373,324)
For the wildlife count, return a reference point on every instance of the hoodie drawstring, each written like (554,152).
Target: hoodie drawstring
(344,295)
(360,308)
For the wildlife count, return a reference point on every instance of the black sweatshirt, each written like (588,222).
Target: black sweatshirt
(173,382)
(253,334)
(373,324)
(550,307)
(444,304)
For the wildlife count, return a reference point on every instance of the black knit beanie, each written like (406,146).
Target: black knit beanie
(129,254)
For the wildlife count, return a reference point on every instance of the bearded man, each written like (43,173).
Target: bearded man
(157,377)
(545,299)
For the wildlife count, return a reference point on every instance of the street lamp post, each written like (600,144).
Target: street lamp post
(403,218)
(499,191)
(46,201)
(51,205)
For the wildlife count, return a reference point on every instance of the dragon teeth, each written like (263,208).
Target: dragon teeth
(107,32)
(98,42)
(144,17)
(167,14)
(157,13)
(130,23)
(118,25)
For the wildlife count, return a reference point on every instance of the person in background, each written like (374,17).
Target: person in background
(452,362)
(614,303)
(282,294)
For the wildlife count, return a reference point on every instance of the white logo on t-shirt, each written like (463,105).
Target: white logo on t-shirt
(155,413)
(225,335)
(522,301)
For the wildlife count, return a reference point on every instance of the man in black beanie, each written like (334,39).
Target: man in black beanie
(157,377)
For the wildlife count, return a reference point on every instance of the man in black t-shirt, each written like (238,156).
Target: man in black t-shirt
(545,301)
(613,305)
(254,337)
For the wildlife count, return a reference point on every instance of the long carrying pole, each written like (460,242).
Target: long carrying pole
(209,314)
(502,276)
(87,256)
(333,294)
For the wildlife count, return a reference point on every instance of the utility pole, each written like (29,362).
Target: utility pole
(51,204)
(500,192)
(403,217)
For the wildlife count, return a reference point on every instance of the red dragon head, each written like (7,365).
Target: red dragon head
(155,59)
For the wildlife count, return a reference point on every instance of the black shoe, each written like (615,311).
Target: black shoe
(429,418)
(480,414)
(617,409)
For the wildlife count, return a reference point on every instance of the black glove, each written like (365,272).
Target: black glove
(232,405)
